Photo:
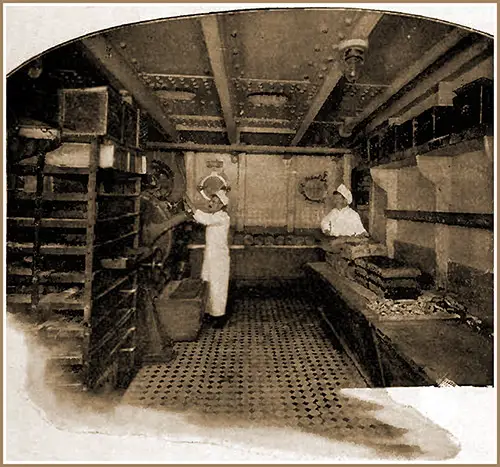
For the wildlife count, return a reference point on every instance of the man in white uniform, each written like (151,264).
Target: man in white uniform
(342,222)
(215,269)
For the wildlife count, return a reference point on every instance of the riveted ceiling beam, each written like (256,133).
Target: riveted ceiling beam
(118,69)
(361,30)
(409,74)
(452,66)
(244,148)
(215,49)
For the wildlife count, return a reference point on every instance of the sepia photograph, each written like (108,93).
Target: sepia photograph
(249,233)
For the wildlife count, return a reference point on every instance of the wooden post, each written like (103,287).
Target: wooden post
(291,192)
(348,166)
(36,259)
(91,221)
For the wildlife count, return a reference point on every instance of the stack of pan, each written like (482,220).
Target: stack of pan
(342,257)
(387,277)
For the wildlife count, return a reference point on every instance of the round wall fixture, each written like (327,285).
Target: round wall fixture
(315,188)
(211,184)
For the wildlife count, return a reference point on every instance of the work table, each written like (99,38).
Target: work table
(406,352)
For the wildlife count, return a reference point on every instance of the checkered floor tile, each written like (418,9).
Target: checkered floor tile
(272,362)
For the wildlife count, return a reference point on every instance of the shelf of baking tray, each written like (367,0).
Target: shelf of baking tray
(64,380)
(30,169)
(47,196)
(62,327)
(53,301)
(68,223)
(53,223)
(48,248)
(64,355)
(50,196)
(47,277)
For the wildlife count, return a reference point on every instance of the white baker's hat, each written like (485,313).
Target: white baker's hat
(345,192)
(221,194)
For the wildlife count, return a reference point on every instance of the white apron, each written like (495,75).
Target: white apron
(215,270)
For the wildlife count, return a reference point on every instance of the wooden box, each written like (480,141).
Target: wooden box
(474,104)
(90,112)
(374,148)
(433,123)
(130,127)
(404,135)
(99,111)
(388,140)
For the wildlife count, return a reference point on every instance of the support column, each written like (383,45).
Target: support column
(387,180)
(291,181)
(240,217)
(438,170)
(348,166)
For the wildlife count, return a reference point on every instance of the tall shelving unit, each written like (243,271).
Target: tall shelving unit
(73,230)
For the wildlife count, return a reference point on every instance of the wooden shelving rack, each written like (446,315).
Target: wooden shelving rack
(61,225)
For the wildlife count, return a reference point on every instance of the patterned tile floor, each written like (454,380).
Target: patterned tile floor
(273,364)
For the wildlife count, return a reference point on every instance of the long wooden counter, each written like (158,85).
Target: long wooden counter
(262,262)
(412,352)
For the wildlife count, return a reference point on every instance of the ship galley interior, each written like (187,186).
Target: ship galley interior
(245,213)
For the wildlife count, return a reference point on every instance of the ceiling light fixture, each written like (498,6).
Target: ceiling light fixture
(353,53)
(35,70)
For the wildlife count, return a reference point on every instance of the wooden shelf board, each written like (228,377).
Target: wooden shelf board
(451,148)
(49,277)
(19,298)
(50,249)
(54,303)
(47,196)
(71,359)
(59,170)
(50,222)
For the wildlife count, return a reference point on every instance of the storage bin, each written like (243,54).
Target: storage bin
(180,309)
(474,104)
(91,111)
(404,135)
(433,123)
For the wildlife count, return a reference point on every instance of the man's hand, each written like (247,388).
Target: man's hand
(188,205)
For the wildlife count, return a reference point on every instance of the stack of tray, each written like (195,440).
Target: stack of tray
(340,265)
(354,251)
(342,259)
(387,277)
